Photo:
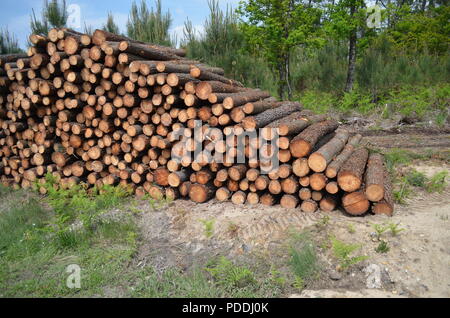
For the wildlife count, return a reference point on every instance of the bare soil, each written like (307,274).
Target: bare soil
(417,264)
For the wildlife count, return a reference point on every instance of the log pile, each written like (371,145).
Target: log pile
(108,110)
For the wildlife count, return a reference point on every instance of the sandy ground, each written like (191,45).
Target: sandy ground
(417,264)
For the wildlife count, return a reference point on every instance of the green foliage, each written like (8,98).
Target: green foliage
(228,275)
(403,192)
(351,229)
(8,43)
(323,223)
(223,44)
(418,30)
(303,258)
(383,247)
(438,182)
(149,25)
(111,25)
(416,178)
(395,228)
(276,27)
(54,15)
(380,229)
(209,227)
(343,251)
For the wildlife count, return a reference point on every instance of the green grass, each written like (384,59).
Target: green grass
(404,182)
(35,253)
(208,227)
(419,101)
(34,256)
(303,259)
(383,247)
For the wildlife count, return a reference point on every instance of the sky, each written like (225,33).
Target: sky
(15,14)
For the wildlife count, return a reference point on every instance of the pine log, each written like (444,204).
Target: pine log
(374,179)
(319,160)
(386,205)
(201,193)
(334,167)
(303,144)
(350,176)
(309,206)
(223,194)
(264,118)
(289,201)
(239,197)
(355,203)
(328,203)
(239,99)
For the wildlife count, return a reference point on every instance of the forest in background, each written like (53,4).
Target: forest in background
(332,55)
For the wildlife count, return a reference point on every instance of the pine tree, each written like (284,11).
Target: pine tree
(54,15)
(111,25)
(8,43)
(150,26)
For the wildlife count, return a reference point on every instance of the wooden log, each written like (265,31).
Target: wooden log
(176,178)
(223,194)
(318,181)
(309,206)
(289,201)
(319,160)
(206,88)
(237,172)
(355,203)
(305,194)
(332,187)
(265,118)
(267,199)
(334,167)
(239,197)
(300,167)
(350,176)
(147,51)
(386,205)
(253,198)
(255,108)
(101,36)
(328,203)
(303,144)
(290,185)
(201,193)
(374,179)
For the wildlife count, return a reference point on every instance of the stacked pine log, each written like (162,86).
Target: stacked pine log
(108,110)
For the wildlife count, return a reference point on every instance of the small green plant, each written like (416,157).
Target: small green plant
(342,251)
(395,228)
(383,247)
(233,228)
(209,227)
(277,278)
(416,178)
(403,192)
(303,257)
(299,283)
(228,275)
(438,182)
(351,228)
(324,221)
(380,229)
